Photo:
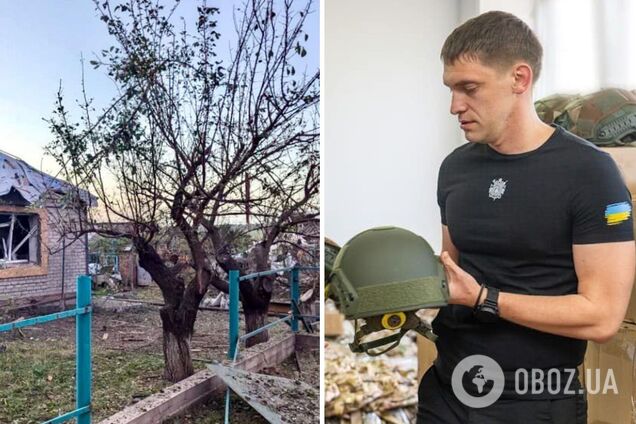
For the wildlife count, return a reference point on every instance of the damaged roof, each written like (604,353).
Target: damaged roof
(31,184)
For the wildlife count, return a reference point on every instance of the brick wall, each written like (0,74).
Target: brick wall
(21,289)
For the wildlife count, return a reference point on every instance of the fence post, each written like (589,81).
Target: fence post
(234,313)
(294,291)
(83,349)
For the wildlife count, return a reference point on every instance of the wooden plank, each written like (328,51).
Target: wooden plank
(278,308)
(10,242)
(270,357)
(26,303)
(307,341)
(31,270)
(197,388)
(28,236)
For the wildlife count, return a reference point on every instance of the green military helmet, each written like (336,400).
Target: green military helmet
(549,108)
(606,117)
(383,275)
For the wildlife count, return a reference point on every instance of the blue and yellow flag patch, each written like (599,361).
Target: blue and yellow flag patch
(617,213)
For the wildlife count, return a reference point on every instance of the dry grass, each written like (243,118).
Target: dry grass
(37,380)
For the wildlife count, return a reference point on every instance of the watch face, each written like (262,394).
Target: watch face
(486,314)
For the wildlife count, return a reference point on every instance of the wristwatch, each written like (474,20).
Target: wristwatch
(489,310)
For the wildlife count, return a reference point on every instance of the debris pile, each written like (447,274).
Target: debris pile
(277,399)
(221,300)
(361,388)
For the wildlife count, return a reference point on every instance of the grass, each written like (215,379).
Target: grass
(37,380)
(39,384)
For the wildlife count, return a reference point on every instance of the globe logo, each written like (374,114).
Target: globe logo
(477,381)
(476,377)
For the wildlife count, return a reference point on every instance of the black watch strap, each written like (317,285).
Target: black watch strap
(492,299)
(489,310)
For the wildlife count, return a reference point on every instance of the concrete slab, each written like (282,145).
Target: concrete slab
(277,399)
(200,386)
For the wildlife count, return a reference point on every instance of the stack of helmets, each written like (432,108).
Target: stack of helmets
(549,108)
(605,118)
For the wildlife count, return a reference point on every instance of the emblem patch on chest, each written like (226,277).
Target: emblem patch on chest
(497,189)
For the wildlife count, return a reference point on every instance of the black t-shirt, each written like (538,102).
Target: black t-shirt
(514,219)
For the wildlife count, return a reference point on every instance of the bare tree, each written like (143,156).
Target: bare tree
(194,142)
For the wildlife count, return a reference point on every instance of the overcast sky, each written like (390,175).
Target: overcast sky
(41,43)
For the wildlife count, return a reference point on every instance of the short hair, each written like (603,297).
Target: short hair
(495,38)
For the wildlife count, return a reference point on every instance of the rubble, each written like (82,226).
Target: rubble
(360,388)
(277,399)
(222,300)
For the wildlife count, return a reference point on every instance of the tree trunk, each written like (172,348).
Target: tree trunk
(177,317)
(254,319)
(176,346)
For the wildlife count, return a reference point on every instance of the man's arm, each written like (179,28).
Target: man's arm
(448,246)
(605,272)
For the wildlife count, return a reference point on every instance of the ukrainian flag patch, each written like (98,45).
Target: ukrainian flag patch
(617,213)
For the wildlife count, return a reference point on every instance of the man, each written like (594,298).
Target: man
(537,237)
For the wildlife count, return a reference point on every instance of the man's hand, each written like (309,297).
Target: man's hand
(463,288)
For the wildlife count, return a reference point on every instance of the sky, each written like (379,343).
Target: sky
(41,45)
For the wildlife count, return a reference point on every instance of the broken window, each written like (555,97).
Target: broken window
(19,238)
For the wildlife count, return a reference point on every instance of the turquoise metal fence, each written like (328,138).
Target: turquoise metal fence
(83,313)
(294,292)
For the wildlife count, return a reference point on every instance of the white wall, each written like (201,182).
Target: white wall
(588,45)
(523,9)
(387,125)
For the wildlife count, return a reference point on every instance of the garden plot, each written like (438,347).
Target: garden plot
(37,364)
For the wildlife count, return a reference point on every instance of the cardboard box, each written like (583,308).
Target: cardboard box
(625,158)
(426,354)
(333,323)
(426,350)
(630,316)
(618,355)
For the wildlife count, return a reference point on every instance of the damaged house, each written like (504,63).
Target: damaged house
(36,262)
